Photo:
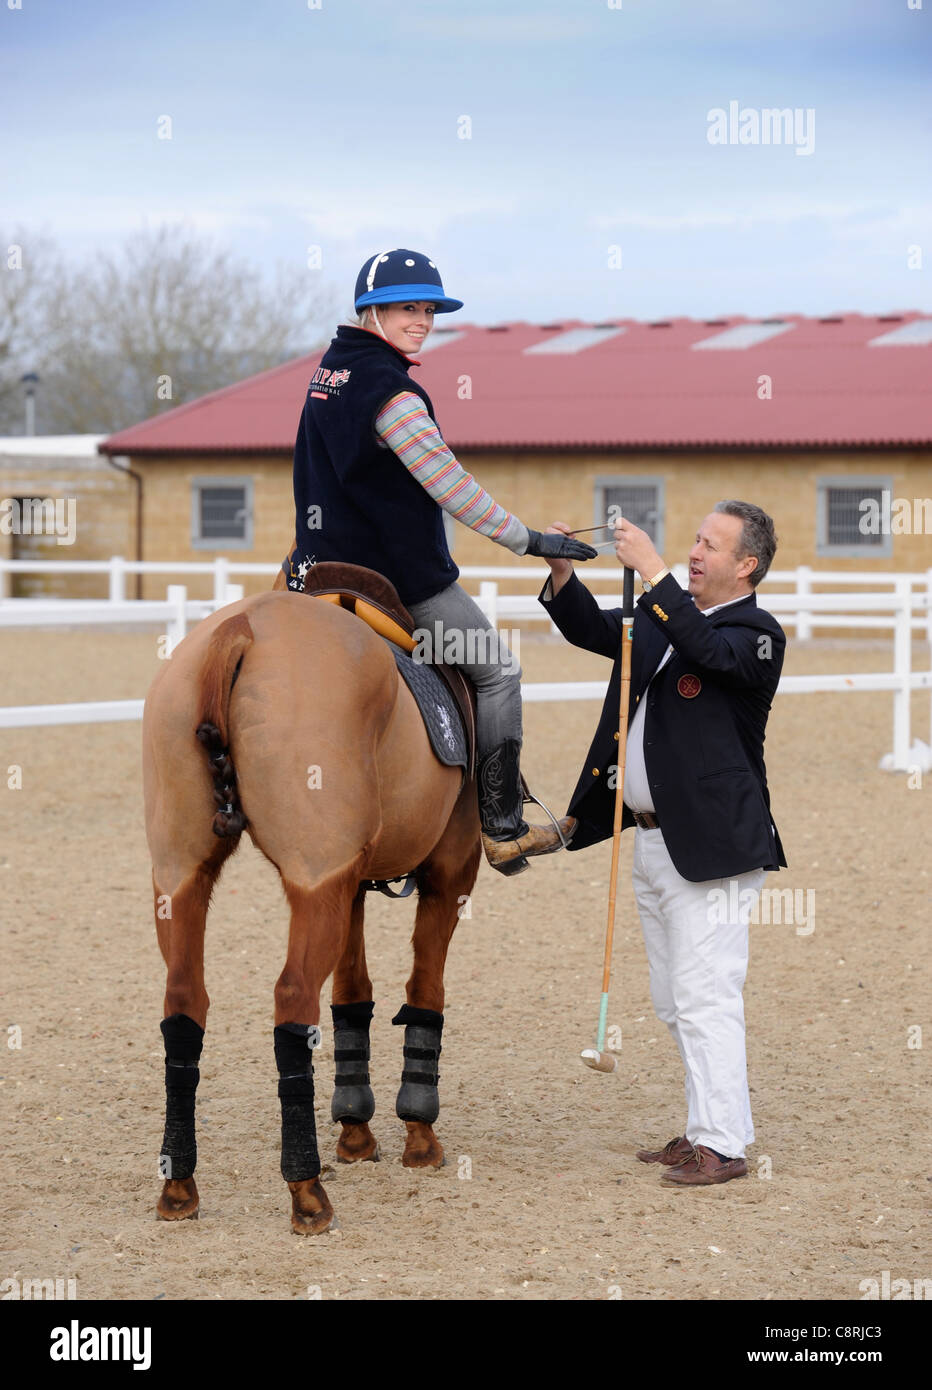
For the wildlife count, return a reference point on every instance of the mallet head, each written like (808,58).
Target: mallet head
(599,1061)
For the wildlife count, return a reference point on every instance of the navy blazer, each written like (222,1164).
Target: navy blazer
(703,729)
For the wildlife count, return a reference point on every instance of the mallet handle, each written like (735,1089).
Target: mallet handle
(627,639)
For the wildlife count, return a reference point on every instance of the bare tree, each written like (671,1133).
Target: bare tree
(165,320)
(29,265)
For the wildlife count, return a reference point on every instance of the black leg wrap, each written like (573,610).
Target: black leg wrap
(293,1057)
(419,1098)
(352,1095)
(183,1042)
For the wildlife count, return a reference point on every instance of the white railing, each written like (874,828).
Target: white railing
(176,611)
(798,582)
(117,568)
(907,608)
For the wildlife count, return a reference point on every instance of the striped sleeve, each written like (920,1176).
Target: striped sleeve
(406,427)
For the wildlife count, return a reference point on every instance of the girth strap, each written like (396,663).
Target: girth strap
(369,885)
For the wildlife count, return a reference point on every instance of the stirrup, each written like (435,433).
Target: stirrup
(528,795)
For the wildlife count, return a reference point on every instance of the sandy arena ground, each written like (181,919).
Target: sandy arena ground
(541,1197)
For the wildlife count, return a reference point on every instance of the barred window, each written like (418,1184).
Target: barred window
(221,513)
(636,499)
(843,516)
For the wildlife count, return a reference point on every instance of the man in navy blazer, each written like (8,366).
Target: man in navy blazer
(705,665)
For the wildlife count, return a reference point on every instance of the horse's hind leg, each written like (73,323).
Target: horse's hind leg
(445,880)
(320,918)
(353,1103)
(180,919)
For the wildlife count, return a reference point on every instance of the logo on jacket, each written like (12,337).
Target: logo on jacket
(328,383)
(689,686)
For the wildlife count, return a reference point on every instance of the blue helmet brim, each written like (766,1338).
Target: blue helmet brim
(400,294)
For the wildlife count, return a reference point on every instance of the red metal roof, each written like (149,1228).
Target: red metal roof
(645,386)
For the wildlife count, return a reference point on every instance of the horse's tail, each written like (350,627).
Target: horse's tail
(228,644)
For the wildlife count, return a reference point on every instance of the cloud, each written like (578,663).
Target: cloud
(340,216)
(533,27)
(851,219)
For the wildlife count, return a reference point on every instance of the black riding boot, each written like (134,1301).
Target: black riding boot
(506,836)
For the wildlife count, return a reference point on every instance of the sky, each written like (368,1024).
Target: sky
(553,158)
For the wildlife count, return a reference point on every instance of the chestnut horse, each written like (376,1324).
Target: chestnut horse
(313,744)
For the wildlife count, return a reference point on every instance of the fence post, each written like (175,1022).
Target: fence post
(177,623)
(488,600)
(902,660)
(232,594)
(803,588)
(221,579)
(929,640)
(117,579)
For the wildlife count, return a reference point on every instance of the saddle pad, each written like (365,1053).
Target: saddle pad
(433,698)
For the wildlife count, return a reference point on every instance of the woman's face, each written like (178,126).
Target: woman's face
(406,325)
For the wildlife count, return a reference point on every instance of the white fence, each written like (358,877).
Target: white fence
(798,582)
(906,608)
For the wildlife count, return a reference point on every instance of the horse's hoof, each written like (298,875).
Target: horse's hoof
(178,1200)
(311,1212)
(422,1147)
(357,1144)
(374,1157)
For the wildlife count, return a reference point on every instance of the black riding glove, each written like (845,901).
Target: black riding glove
(555,546)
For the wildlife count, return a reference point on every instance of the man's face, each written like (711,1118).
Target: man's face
(715,572)
(406,325)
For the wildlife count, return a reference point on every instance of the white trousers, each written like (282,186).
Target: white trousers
(696,936)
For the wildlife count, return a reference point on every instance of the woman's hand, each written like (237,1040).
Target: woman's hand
(557,543)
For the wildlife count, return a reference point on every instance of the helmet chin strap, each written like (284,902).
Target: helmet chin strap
(375,319)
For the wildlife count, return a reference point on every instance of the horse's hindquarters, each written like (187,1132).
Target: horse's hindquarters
(417,792)
(330,751)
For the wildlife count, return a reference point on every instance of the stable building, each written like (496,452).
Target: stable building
(826,423)
(61,499)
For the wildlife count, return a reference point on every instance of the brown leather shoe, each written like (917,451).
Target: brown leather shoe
(509,856)
(670,1154)
(702,1167)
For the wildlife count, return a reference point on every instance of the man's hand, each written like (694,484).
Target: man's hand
(560,570)
(635,549)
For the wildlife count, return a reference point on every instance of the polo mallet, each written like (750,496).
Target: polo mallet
(596,1057)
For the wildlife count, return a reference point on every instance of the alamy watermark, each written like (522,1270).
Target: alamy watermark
(769,125)
(38,1289)
(895,516)
(886,1288)
(40,516)
(770,907)
(471,646)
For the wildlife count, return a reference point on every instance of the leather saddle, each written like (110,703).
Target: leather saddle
(374,599)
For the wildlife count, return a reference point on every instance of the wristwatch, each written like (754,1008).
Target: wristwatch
(648,584)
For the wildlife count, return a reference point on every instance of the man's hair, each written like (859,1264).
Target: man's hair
(757,535)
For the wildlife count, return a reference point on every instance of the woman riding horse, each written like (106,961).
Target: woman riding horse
(372,476)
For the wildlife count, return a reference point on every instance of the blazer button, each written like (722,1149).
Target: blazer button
(595,772)
(617,737)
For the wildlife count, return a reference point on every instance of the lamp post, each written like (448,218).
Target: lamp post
(30,380)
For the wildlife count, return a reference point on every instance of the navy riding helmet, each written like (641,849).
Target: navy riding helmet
(393,277)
